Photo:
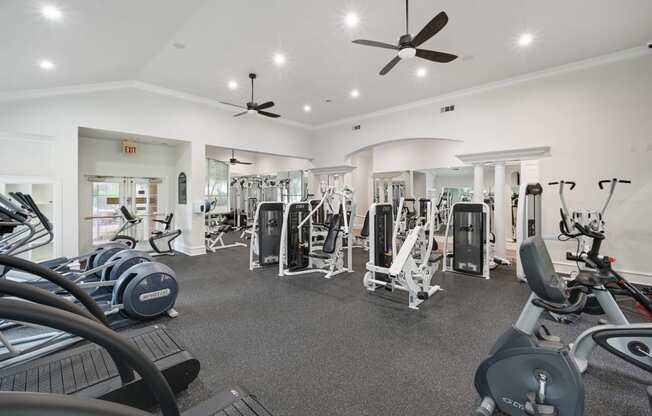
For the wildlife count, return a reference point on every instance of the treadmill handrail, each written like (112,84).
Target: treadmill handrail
(69,286)
(103,336)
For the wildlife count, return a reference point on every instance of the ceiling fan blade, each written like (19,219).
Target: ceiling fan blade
(435,25)
(266,114)
(241,114)
(390,65)
(375,44)
(435,56)
(263,106)
(232,105)
(243,163)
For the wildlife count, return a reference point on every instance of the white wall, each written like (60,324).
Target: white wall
(105,158)
(597,121)
(138,112)
(190,159)
(415,154)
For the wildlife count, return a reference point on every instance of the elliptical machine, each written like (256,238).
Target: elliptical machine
(528,375)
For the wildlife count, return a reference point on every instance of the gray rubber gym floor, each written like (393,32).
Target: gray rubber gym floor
(310,346)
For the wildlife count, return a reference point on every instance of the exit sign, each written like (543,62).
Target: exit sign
(129,147)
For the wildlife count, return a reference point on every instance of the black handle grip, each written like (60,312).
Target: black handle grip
(589,233)
(602,182)
(562,182)
(564,309)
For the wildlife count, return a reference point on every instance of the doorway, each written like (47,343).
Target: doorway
(141,196)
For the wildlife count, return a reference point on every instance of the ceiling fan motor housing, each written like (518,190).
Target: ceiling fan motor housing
(405,41)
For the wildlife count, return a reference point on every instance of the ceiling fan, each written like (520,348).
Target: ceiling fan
(235,161)
(408,46)
(253,107)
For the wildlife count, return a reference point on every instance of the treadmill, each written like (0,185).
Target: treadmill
(86,369)
(128,358)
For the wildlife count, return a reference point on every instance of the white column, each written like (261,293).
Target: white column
(478,183)
(499,210)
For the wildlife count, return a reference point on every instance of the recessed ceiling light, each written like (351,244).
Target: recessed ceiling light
(351,19)
(233,85)
(355,93)
(46,65)
(51,12)
(307,108)
(525,39)
(279,59)
(421,72)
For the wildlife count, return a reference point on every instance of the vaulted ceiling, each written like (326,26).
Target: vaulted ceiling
(197,46)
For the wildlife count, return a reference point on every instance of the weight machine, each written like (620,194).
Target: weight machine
(412,269)
(468,226)
(297,255)
(528,219)
(266,230)
(217,226)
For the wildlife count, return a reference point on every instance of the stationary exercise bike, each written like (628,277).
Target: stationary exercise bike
(591,219)
(587,258)
(526,374)
(159,240)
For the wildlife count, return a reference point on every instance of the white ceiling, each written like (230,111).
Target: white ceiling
(112,40)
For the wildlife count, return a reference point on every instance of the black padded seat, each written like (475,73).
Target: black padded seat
(167,222)
(540,271)
(319,254)
(330,243)
(365,226)
(127,214)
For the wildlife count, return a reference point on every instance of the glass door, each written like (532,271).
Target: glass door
(139,195)
(107,194)
(144,203)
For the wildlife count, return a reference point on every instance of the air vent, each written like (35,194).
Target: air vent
(356,127)
(447,109)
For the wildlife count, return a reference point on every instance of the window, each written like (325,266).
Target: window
(217,183)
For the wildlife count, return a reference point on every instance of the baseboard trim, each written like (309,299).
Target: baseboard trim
(640,278)
(190,250)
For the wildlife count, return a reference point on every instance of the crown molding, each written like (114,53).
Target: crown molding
(549,72)
(156,89)
(333,170)
(133,84)
(508,155)
(67,90)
